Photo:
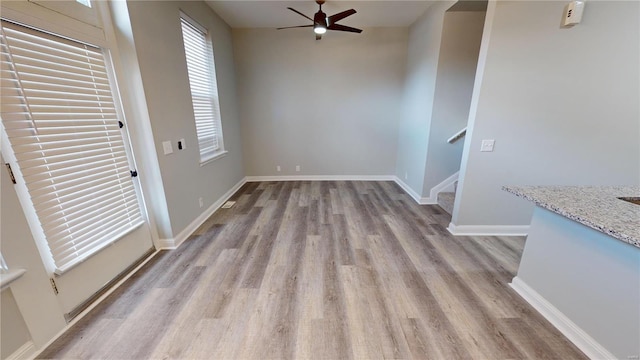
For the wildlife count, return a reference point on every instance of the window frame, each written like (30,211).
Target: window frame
(214,96)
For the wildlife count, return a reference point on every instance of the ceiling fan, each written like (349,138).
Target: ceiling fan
(322,22)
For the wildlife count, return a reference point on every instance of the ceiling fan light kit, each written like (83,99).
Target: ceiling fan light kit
(319,29)
(322,22)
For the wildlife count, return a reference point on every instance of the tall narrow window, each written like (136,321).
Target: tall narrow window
(60,117)
(204,90)
(3,264)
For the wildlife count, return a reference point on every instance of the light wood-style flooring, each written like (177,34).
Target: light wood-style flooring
(321,270)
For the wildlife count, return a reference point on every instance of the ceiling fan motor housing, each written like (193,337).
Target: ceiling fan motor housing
(321,19)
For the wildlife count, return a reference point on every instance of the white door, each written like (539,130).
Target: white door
(65,141)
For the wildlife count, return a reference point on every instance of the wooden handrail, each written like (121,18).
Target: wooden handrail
(457,136)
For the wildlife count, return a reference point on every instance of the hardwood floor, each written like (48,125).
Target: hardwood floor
(321,270)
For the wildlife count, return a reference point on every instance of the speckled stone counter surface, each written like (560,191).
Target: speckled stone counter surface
(597,207)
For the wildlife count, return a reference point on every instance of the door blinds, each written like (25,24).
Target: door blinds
(59,115)
(204,91)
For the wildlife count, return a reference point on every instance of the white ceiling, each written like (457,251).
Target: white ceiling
(272,14)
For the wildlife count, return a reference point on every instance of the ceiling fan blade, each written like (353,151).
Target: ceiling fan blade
(291,27)
(318,37)
(344,28)
(299,13)
(339,16)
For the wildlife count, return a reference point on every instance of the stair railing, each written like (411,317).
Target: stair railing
(457,136)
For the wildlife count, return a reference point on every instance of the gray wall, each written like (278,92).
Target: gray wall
(158,39)
(330,106)
(461,36)
(562,105)
(136,112)
(590,277)
(418,94)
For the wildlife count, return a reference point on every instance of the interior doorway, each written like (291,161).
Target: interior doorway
(457,63)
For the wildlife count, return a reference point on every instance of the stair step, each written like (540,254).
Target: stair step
(445,200)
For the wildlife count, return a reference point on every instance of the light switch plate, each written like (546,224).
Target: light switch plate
(487,145)
(166,146)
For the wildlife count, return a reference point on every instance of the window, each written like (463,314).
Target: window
(59,115)
(3,264)
(204,90)
(86,3)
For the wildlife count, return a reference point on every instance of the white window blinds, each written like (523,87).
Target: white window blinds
(204,91)
(59,115)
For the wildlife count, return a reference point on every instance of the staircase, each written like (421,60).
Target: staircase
(446,199)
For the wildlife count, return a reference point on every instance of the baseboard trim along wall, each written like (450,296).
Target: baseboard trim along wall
(169,244)
(446,185)
(26,351)
(568,328)
(416,197)
(488,230)
(459,230)
(321,178)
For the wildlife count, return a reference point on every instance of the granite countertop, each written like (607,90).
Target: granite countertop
(597,207)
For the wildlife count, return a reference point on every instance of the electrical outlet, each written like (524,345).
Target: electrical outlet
(487,145)
(297,168)
(181,144)
(573,13)
(201,202)
(406,175)
(278,168)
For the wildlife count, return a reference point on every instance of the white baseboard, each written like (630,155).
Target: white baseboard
(447,185)
(488,230)
(568,328)
(165,244)
(420,200)
(168,244)
(26,351)
(321,178)
(402,184)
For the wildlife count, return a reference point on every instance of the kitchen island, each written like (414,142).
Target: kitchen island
(581,265)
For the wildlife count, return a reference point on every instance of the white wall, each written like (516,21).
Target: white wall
(331,106)
(562,105)
(460,44)
(160,54)
(418,94)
